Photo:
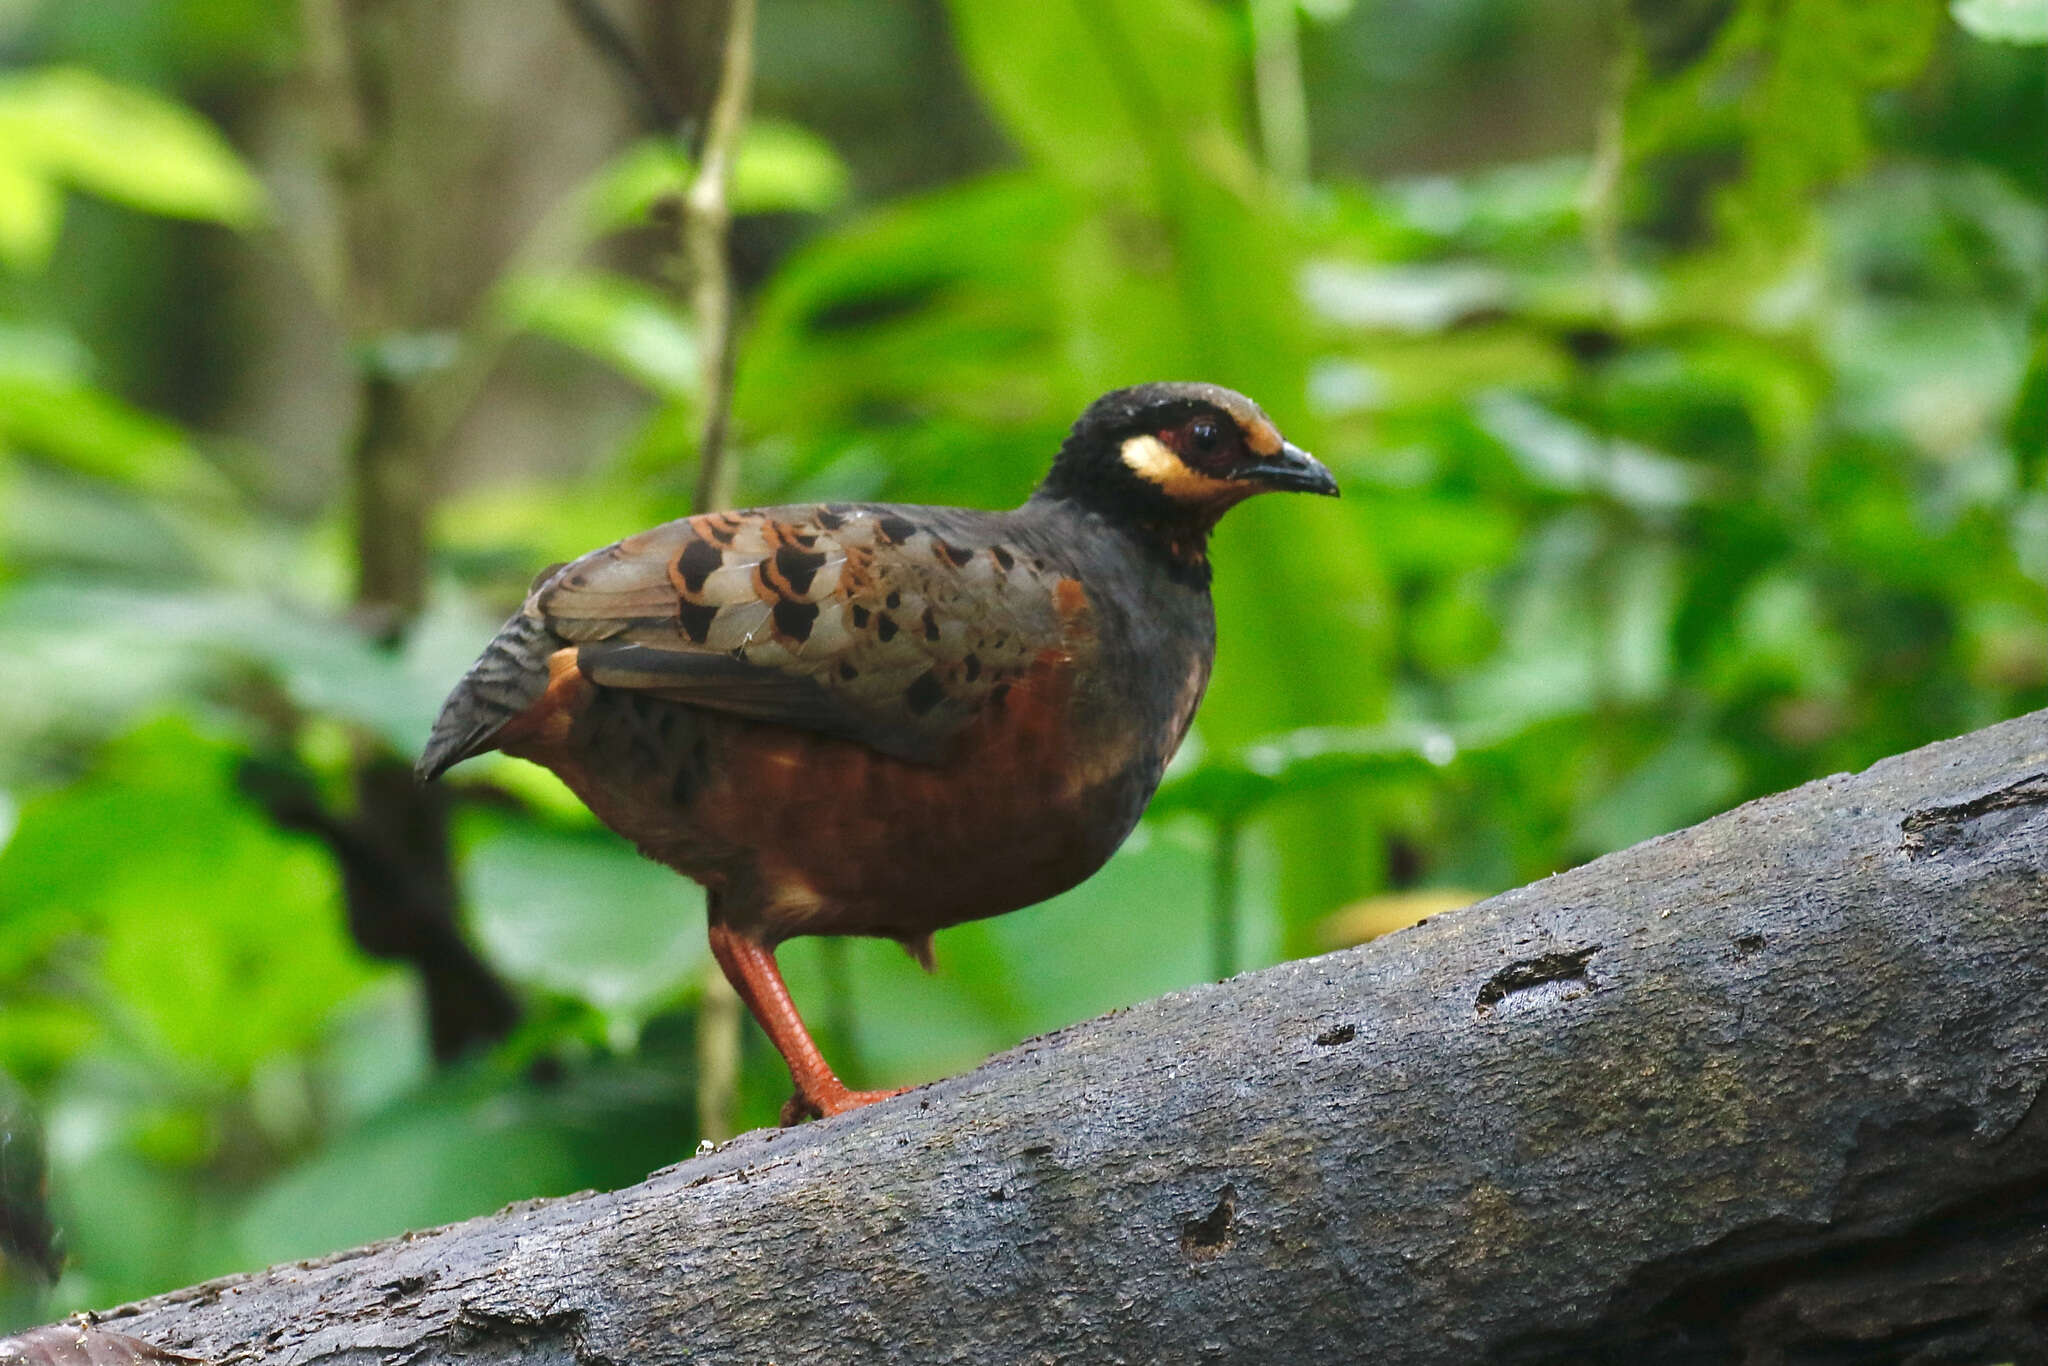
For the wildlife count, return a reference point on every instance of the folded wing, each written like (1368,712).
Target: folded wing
(868,623)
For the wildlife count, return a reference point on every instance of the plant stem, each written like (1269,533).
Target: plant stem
(707,220)
(1223,882)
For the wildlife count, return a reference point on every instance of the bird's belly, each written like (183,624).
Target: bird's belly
(802,833)
(846,840)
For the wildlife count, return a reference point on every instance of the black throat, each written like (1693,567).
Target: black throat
(1173,533)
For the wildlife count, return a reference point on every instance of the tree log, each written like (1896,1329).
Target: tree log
(1764,1090)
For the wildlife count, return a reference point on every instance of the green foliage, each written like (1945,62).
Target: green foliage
(217,942)
(781,167)
(561,912)
(70,129)
(1682,462)
(2003,21)
(620,321)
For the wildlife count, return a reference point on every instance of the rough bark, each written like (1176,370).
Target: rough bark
(1762,1090)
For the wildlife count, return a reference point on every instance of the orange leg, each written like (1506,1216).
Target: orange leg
(751,970)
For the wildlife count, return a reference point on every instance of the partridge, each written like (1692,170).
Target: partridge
(873,719)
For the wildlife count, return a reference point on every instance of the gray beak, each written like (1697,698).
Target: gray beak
(1294,470)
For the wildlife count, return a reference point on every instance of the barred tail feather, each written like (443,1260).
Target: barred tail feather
(509,677)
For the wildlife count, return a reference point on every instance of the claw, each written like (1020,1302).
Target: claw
(830,1101)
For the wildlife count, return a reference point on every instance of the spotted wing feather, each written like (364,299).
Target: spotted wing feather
(893,626)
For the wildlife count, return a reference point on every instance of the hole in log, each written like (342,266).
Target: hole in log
(1749,943)
(1335,1035)
(1209,1235)
(1544,980)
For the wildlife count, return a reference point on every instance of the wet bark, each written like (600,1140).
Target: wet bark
(1763,1090)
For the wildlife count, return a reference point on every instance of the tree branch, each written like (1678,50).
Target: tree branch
(1766,1089)
(657,113)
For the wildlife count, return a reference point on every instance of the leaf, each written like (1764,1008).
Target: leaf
(131,651)
(131,1227)
(628,325)
(1311,759)
(420,1163)
(624,194)
(93,433)
(31,212)
(219,939)
(2028,428)
(913,330)
(1560,454)
(1415,298)
(783,167)
(1790,80)
(583,915)
(64,126)
(49,408)
(1686,780)
(1505,210)
(463,1145)
(1374,916)
(2003,21)
(1113,95)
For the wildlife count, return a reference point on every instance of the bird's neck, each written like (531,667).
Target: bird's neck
(1171,535)
(1181,546)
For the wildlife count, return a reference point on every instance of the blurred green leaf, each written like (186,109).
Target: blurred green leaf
(130,1225)
(220,939)
(467,1146)
(31,212)
(1501,209)
(1790,80)
(622,322)
(1114,95)
(1418,298)
(2003,21)
(50,410)
(1561,455)
(624,194)
(132,650)
(2028,429)
(430,1161)
(783,167)
(68,127)
(885,348)
(584,915)
(1299,762)
(1685,781)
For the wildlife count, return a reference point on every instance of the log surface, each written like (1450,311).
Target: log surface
(1766,1089)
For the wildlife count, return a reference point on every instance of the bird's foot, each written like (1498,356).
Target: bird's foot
(823,1101)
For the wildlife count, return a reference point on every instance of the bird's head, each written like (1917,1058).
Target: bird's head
(1177,457)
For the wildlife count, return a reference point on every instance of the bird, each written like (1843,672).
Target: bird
(884,719)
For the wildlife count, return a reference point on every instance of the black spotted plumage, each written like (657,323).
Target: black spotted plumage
(886,719)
